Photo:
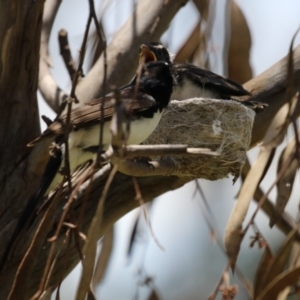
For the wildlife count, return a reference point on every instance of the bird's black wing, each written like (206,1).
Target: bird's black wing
(209,80)
(90,113)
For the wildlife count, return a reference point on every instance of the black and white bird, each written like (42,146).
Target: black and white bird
(144,106)
(191,81)
(145,110)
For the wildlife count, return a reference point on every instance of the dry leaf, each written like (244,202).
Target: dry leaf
(91,295)
(260,277)
(188,48)
(282,281)
(196,38)
(286,182)
(283,295)
(133,235)
(203,7)
(233,231)
(104,257)
(288,108)
(90,247)
(281,257)
(285,223)
(238,55)
(154,295)
(277,129)
(207,10)
(274,272)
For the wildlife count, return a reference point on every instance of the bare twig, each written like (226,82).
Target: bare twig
(65,52)
(27,262)
(139,197)
(91,244)
(54,239)
(217,288)
(265,196)
(153,168)
(227,29)
(210,220)
(101,36)
(284,222)
(161,150)
(68,241)
(73,98)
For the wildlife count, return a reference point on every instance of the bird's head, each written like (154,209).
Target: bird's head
(154,52)
(156,80)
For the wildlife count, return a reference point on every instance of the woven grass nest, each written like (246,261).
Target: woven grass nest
(224,126)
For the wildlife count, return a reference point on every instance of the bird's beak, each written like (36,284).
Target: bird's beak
(146,55)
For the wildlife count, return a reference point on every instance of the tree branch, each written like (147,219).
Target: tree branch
(270,87)
(65,52)
(51,92)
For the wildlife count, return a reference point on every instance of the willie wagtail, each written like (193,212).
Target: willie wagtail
(190,81)
(144,108)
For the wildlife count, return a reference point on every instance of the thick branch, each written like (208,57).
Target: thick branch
(65,52)
(270,87)
(18,71)
(48,87)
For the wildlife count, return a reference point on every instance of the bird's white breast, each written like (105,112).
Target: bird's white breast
(140,130)
(189,90)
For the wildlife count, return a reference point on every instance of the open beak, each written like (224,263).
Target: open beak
(146,55)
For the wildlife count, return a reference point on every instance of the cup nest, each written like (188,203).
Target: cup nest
(223,126)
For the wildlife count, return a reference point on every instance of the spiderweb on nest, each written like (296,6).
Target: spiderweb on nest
(224,126)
